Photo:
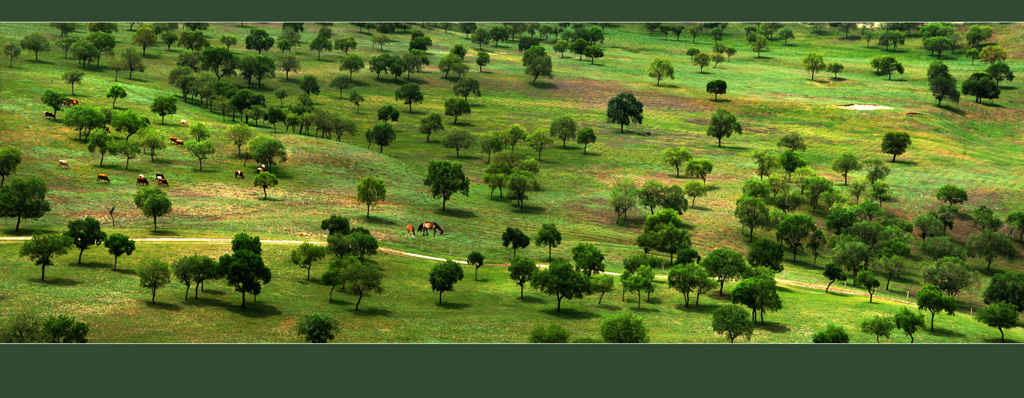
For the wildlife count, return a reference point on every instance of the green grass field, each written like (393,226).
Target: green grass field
(972,145)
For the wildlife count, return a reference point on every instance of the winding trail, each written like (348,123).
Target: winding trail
(432,258)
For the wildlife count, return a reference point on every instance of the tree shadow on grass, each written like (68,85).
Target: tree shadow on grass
(371,312)
(340,302)
(457,213)
(253,310)
(380,220)
(634,222)
(783,289)
(163,232)
(702,309)
(943,332)
(527,209)
(951,109)
(89,264)
(27,232)
(998,340)
(720,100)
(454,306)
(992,105)
(56,281)
(569,313)
(533,300)
(544,85)
(646,310)
(773,327)
(124,271)
(159,305)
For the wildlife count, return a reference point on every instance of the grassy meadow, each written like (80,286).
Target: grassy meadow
(977,146)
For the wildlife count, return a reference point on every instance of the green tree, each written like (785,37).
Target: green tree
(116,92)
(483,58)
(699,168)
(352,63)
(589,260)
(73,77)
(459,139)
(564,128)
(516,238)
(154,275)
(623,197)
(908,321)
(844,164)
(456,107)
(722,125)
(1006,287)
(163,106)
(443,277)
(999,315)
(757,293)
(521,271)
(84,233)
(1000,71)
(601,284)
(752,213)
(42,248)
(951,274)
(466,86)
(561,281)
(624,328)
(430,124)
(690,278)
(364,278)
(445,178)
(586,137)
(267,150)
(867,279)
(661,68)
(409,93)
(153,202)
(833,272)
(265,180)
(676,157)
(537,62)
(24,198)
(118,245)
(538,141)
(623,109)
(766,253)
(878,326)
(989,244)
(717,87)
(259,40)
(306,254)
(370,190)
(731,320)
(835,68)
(931,299)
(701,60)
(476,259)
(895,143)
(201,150)
(981,85)
(814,62)
(722,264)
(549,236)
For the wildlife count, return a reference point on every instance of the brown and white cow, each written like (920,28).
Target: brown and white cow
(49,115)
(179,143)
(162,181)
(174,140)
(103,177)
(64,164)
(142,181)
(183,122)
(239,174)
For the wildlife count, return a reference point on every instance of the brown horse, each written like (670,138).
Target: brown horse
(427,226)
(409,230)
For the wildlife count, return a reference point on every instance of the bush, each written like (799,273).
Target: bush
(831,334)
(624,328)
(549,334)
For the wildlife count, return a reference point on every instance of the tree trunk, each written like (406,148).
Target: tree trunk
(243,299)
(154,296)
(439,297)
(520,291)
(43,276)
(359,300)
(186,291)
(559,306)
(80,255)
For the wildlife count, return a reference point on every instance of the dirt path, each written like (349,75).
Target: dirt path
(432,258)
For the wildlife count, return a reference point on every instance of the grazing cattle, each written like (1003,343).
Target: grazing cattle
(103,177)
(183,122)
(63,163)
(179,143)
(427,226)
(162,181)
(239,174)
(142,181)
(159,175)
(260,170)
(409,231)
(70,102)
(174,140)
(49,115)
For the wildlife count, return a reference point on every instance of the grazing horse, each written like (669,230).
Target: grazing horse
(141,181)
(427,226)
(64,164)
(239,174)
(103,177)
(49,115)
(409,231)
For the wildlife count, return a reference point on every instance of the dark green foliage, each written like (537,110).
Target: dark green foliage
(931,299)
(908,321)
(623,109)
(1000,316)
(731,320)
(624,328)
(552,333)
(317,327)
(24,198)
(561,280)
(444,276)
(445,178)
(831,334)
(878,326)
(85,233)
